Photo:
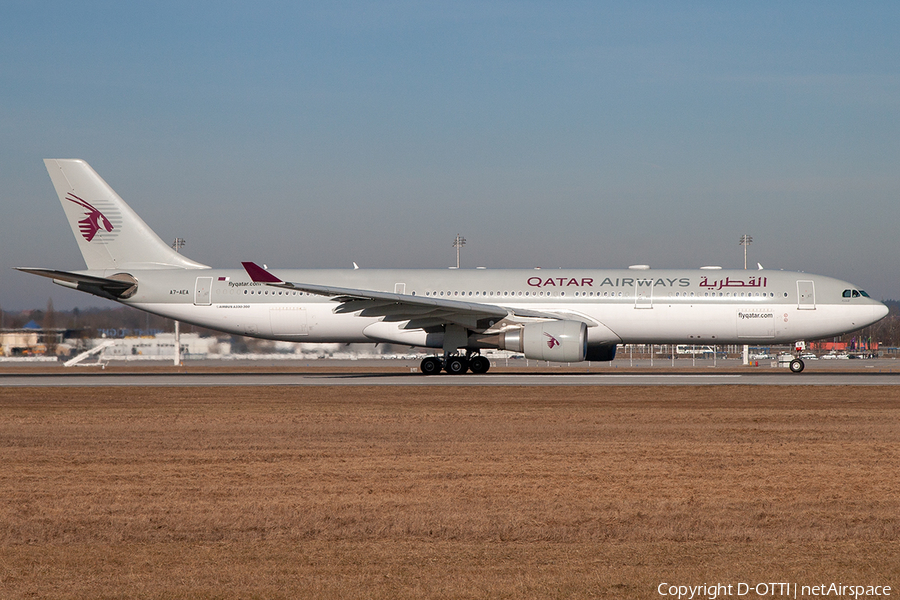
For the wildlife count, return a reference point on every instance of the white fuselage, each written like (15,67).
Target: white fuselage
(619,306)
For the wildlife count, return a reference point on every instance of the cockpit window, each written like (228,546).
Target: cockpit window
(846,294)
(863,293)
(855,294)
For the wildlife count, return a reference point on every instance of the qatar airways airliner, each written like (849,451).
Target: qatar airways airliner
(565,315)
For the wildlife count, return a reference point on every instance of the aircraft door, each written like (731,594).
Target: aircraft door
(806,295)
(202,291)
(643,295)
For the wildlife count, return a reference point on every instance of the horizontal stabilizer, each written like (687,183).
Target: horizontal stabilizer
(116,287)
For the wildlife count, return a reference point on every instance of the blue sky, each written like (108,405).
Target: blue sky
(565,134)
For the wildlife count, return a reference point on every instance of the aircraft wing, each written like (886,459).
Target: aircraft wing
(421,312)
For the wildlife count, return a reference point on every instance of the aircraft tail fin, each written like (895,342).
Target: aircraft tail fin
(109,233)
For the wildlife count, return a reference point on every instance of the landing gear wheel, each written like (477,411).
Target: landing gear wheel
(479,365)
(797,365)
(430,366)
(456,365)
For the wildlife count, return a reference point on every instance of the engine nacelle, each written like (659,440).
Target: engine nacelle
(559,341)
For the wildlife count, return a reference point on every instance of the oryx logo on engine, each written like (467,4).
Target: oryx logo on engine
(94,220)
(552,342)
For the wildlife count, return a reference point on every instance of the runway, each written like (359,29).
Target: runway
(374,378)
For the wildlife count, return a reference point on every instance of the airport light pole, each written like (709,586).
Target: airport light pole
(745,241)
(458,243)
(178,244)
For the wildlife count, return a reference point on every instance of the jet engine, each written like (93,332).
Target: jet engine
(559,341)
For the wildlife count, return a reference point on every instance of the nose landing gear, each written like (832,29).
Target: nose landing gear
(797,365)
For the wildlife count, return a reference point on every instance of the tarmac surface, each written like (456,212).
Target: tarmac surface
(405,372)
(399,376)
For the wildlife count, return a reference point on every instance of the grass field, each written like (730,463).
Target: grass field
(469,492)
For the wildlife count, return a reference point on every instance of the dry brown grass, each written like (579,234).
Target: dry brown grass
(391,492)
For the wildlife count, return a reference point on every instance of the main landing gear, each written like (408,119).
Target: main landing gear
(431,366)
(479,364)
(455,365)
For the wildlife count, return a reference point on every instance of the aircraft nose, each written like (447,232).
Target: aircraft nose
(880,311)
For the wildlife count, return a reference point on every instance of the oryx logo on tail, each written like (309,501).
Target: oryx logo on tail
(94,220)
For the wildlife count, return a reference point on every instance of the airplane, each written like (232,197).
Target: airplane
(562,315)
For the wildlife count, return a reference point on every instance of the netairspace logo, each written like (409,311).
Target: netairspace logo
(771,590)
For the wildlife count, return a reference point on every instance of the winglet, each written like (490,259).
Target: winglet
(258,274)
